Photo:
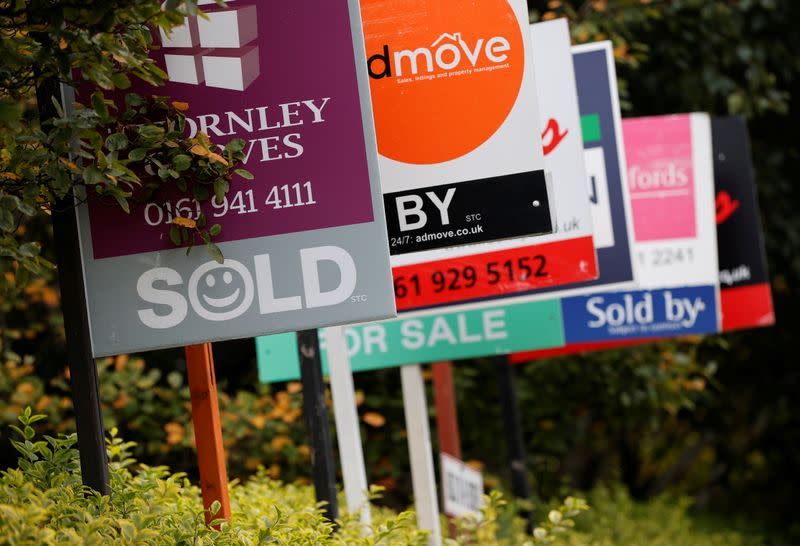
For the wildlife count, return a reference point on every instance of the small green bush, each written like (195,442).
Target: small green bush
(617,520)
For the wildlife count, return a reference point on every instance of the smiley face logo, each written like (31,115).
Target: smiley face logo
(221,291)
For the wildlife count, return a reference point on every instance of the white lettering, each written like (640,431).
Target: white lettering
(267,302)
(150,294)
(403,212)
(310,259)
(413,334)
(494,325)
(375,336)
(441,205)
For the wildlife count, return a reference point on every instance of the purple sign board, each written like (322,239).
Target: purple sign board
(304,241)
(301,122)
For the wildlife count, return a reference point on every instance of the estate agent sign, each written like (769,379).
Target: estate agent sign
(304,242)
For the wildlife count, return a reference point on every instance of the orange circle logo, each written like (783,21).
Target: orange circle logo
(444,74)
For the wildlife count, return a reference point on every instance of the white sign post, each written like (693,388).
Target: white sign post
(348,434)
(420,451)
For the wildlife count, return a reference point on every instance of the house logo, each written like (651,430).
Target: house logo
(444,76)
(217,50)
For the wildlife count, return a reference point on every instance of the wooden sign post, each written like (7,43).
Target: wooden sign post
(208,430)
(444,396)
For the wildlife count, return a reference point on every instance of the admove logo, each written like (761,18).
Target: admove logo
(448,52)
(216,51)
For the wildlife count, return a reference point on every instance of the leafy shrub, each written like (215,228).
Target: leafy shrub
(42,501)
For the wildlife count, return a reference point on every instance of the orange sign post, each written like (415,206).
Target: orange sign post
(208,430)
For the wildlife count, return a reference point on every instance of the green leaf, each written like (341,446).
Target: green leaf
(116,142)
(123,202)
(182,162)
(175,235)
(133,100)
(7,220)
(99,105)
(92,175)
(244,174)
(120,80)
(137,154)
(151,133)
(220,189)
(235,146)
(215,230)
(215,252)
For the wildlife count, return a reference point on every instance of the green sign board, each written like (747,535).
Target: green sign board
(487,330)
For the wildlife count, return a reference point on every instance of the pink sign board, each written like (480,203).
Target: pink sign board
(661,177)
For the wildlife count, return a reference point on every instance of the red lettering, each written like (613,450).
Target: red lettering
(556,136)
(726,206)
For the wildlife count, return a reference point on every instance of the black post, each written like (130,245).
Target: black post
(318,424)
(82,367)
(520,486)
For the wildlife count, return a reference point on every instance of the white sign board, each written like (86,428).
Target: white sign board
(462,153)
(462,488)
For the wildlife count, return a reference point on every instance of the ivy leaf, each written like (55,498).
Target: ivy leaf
(123,202)
(116,142)
(120,80)
(220,189)
(215,252)
(132,100)
(6,220)
(182,162)
(92,175)
(99,105)
(137,154)
(247,175)
(235,146)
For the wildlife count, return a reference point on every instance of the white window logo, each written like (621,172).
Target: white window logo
(216,51)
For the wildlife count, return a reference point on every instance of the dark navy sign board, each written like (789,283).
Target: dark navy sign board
(640,314)
(593,71)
